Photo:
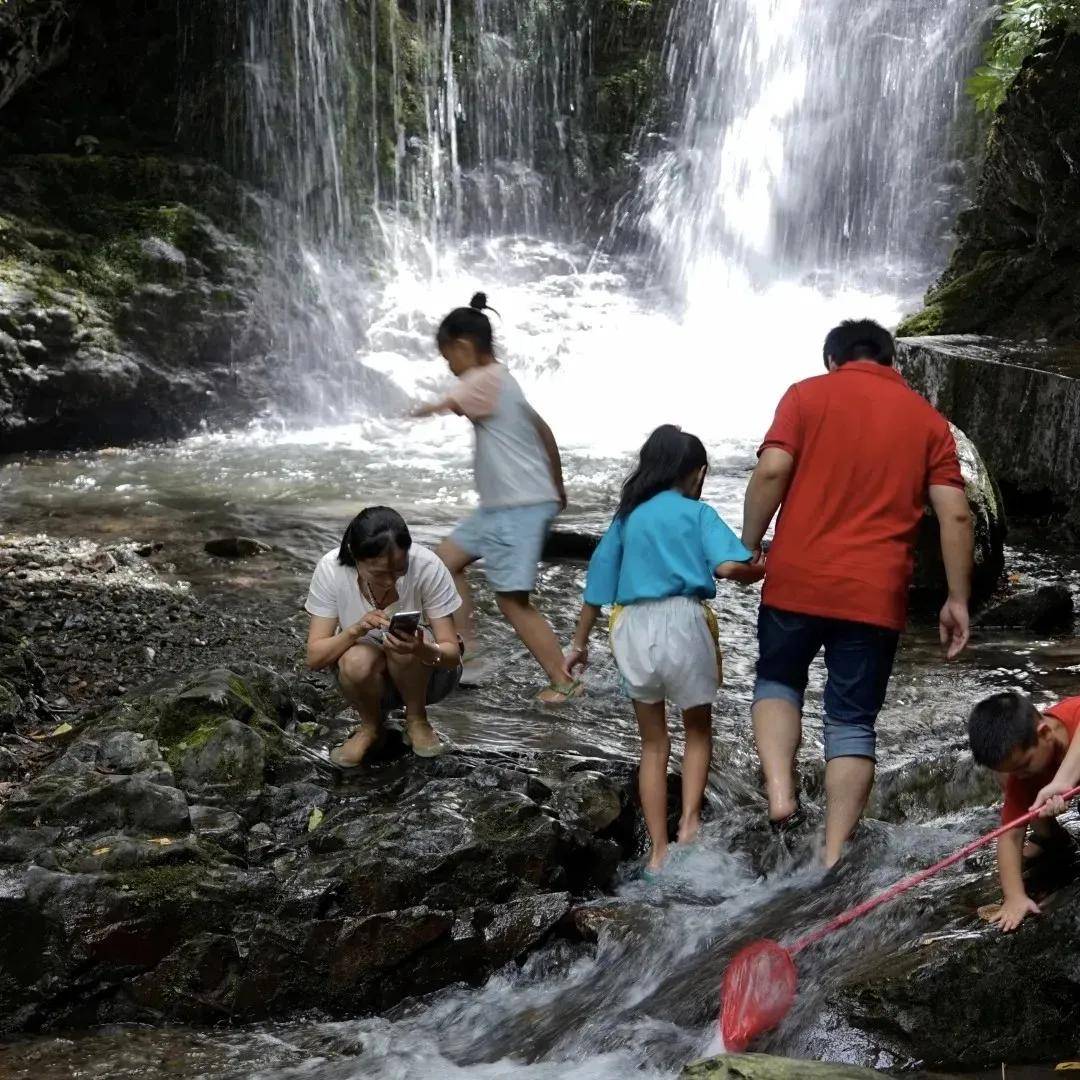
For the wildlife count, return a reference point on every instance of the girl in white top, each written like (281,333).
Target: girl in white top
(354,591)
(520,483)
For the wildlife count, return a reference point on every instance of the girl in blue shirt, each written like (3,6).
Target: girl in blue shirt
(658,563)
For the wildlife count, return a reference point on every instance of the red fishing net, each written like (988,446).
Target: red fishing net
(759,987)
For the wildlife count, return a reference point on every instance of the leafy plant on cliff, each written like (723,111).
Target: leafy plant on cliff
(1021,27)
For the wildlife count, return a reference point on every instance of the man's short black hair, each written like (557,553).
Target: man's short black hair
(859,339)
(1000,724)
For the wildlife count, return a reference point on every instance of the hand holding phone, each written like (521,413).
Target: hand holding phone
(404,624)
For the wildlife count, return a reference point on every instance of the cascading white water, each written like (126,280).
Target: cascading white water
(810,174)
(812,136)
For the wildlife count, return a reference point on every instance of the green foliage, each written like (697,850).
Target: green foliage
(1021,28)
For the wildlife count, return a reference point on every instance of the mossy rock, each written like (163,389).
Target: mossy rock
(187,717)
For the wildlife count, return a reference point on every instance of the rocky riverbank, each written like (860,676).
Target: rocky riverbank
(182,850)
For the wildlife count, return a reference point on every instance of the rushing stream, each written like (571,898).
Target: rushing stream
(811,178)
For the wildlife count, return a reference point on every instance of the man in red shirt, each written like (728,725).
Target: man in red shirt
(1040,755)
(850,461)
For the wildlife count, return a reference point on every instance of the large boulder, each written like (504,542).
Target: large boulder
(1046,609)
(189,857)
(975,998)
(988,516)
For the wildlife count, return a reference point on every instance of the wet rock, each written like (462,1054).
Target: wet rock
(35,37)
(517,927)
(11,705)
(1020,404)
(236,547)
(220,826)
(130,301)
(975,998)
(1045,610)
(233,756)
(767,1067)
(415,875)
(1013,272)
(564,545)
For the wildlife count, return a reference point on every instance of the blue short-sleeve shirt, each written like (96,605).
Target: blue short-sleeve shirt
(668,546)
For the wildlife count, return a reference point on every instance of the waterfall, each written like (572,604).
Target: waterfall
(807,145)
(817,137)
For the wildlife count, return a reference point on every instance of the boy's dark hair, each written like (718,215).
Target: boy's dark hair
(1000,724)
(668,456)
(371,533)
(469,322)
(859,339)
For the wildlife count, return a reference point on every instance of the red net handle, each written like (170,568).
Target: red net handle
(916,879)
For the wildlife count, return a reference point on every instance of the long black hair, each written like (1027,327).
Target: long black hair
(668,457)
(372,533)
(469,322)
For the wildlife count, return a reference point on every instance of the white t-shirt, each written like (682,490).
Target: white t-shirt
(512,466)
(426,586)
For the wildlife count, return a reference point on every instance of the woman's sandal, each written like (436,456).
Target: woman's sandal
(435,750)
(343,766)
(566,691)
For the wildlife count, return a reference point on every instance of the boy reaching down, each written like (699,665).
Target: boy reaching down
(1039,753)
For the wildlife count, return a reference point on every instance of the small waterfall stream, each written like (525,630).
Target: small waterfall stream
(806,167)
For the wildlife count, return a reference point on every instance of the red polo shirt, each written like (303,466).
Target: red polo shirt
(866,450)
(1020,791)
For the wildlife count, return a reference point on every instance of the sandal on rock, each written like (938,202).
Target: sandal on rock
(435,750)
(567,691)
(344,766)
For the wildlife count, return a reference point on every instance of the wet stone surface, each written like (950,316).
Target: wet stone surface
(184,860)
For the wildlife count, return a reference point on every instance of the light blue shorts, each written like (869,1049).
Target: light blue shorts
(510,540)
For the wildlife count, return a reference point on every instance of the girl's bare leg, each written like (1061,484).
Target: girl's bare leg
(652,777)
(695,769)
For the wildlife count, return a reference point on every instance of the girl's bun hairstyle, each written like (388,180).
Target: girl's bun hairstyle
(470,323)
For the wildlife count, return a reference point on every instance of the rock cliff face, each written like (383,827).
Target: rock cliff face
(1020,404)
(1015,272)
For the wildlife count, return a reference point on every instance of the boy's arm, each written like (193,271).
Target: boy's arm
(1016,905)
(1066,778)
(765,493)
(551,447)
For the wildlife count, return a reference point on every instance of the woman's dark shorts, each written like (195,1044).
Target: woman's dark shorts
(858,658)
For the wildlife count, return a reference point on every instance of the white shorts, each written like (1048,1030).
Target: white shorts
(665,651)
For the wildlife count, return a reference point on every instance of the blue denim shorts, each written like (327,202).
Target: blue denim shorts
(858,659)
(510,540)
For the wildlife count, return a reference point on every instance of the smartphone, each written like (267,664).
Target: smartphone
(404,624)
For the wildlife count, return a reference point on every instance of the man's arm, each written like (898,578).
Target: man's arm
(765,493)
(1016,905)
(957,553)
(551,448)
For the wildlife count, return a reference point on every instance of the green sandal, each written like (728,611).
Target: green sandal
(567,691)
